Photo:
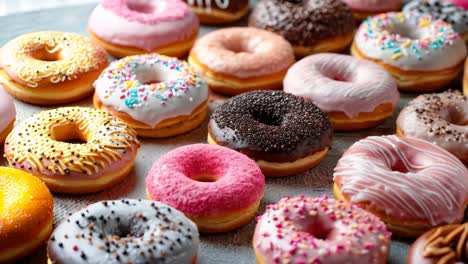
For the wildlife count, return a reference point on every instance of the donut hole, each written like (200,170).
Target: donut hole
(457,117)
(69,133)
(267,119)
(399,166)
(205,178)
(320,229)
(150,76)
(140,6)
(406,31)
(44,54)
(238,46)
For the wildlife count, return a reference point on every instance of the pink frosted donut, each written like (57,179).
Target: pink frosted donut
(130,27)
(218,188)
(319,230)
(411,184)
(354,92)
(461,3)
(7,114)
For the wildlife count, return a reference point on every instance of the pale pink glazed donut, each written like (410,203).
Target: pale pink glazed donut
(131,27)
(355,93)
(218,188)
(7,114)
(319,230)
(363,8)
(411,184)
(461,3)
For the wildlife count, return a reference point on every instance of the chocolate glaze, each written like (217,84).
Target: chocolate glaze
(233,7)
(304,22)
(271,125)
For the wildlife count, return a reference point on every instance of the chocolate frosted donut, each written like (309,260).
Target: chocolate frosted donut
(219,11)
(125,231)
(272,127)
(311,26)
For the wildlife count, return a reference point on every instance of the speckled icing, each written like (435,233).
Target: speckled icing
(320,230)
(125,231)
(373,5)
(443,10)
(7,109)
(122,87)
(437,46)
(145,24)
(438,118)
(341,83)
(404,178)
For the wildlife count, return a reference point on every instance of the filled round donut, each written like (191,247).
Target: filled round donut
(50,67)
(73,149)
(422,54)
(445,244)
(311,26)
(237,60)
(319,230)
(410,183)
(355,93)
(438,118)
(365,8)
(218,188)
(132,27)
(125,231)
(7,114)
(156,95)
(443,10)
(26,214)
(219,11)
(283,133)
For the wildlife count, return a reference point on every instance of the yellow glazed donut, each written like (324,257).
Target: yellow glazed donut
(50,67)
(39,146)
(26,214)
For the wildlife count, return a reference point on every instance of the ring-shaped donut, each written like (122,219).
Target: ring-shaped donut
(218,188)
(7,114)
(104,154)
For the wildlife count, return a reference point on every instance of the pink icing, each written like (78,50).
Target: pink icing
(374,5)
(143,24)
(404,178)
(7,109)
(320,230)
(341,83)
(172,180)
(461,3)
(244,52)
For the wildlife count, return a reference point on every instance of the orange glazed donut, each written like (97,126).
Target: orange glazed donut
(39,146)
(50,67)
(238,60)
(26,214)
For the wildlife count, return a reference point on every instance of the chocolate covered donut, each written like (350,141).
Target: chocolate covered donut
(311,26)
(219,11)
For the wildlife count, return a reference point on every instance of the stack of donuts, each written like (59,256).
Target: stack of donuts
(274,93)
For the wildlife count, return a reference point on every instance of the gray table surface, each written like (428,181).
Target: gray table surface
(231,247)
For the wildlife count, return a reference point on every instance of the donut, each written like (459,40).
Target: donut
(443,10)
(465,79)
(311,26)
(26,214)
(422,54)
(356,94)
(411,184)
(461,3)
(156,95)
(238,60)
(445,244)
(219,11)
(73,149)
(50,67)
(319,230)
(438,118)
(283,133)
(132,27)
(217,188)
(365,8)
(125,231)
(7,114)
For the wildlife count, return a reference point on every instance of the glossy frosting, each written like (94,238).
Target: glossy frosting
(438,118)
(320,230)
(125,231)
(7,109)
(144,24)
(404,178)
(443,10)
(374,5)
(410,41)
(173,180)
(177,91)
(341,83)
(32,146)
(244,52)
